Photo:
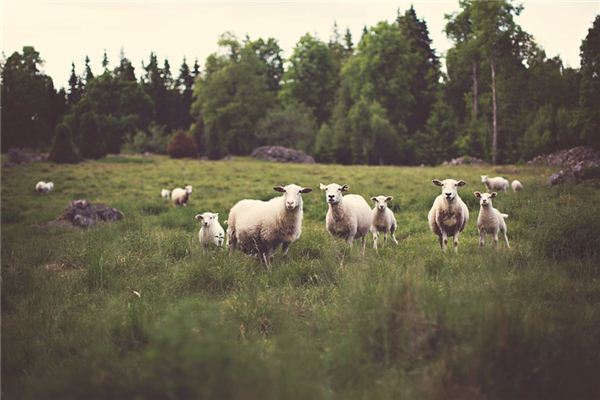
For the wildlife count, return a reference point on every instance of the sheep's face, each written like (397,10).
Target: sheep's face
(207,218)
(333,192)
(381,202)
(188,189)
(485,199)
(484,178)
(449,187)
(292,195)
(165,194)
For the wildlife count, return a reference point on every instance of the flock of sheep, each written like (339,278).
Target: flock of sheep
(259,227)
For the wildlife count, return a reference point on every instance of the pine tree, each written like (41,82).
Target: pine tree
(88,75)
(74,93)
(105,61)
(63,150)
(92,143)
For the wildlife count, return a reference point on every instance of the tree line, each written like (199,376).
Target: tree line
(382,100)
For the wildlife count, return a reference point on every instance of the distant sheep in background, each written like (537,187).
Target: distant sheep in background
(211,232)
(497,183)
(449,214)
(516,186)
(180,197)
(383,220)
(165,194)
(44,187)
(259,227)
(348,217)
(490,220)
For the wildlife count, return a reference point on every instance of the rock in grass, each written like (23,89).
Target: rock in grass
(282,154)
(83,214)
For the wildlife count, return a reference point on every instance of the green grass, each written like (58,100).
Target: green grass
(410,322)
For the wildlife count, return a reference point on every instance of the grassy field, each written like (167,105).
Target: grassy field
(326,323)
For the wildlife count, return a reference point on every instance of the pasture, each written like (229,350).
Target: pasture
(410,322)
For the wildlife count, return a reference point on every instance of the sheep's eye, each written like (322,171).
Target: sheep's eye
(340,189)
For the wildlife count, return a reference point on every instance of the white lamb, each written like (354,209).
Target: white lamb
(490,220)
(180,197)
(259,227)
(165,194)
(383,220)
(349,217)
(516,186)
(497,183)
(449,214)
(44,187)
(211,232)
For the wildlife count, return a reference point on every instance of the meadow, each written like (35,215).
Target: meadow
(325,323)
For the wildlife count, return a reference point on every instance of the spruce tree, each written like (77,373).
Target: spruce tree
(63,150)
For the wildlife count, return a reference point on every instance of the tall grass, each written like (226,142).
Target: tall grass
(137,309)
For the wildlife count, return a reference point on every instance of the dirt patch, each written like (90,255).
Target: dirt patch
(83,214)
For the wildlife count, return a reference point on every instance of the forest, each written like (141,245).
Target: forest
(383,98)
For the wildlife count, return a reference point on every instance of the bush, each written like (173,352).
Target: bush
(63,150)
(182,145)
(154,140)
(292,126)
(92,143)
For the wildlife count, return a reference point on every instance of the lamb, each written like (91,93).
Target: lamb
(449,214)
(348,217)
(44,187)
(383,220)
(516,186)
(180,197)
(211,232)
(165,194)
(490,220)
(497,183)
(259,227)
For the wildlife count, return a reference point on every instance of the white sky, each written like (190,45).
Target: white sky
(65,31)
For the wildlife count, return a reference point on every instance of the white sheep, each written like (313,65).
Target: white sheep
(449,214)
(165,194)
(490,220)
(259,227)
(516,186)
(348,217)
(497,183)
(180,197)
(383,220)
(211,232)
(44,187)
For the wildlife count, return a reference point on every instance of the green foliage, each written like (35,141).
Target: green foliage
(182,145)
(92,143)
(589,100)
(291,126)
(63,149)
(153,140)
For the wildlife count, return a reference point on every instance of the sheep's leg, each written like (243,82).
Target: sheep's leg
(285,247)
(350,239)
(364,244)
(506,239)
(481,238)
(455,241)
(375,240)
(496,239)
(444,241)
(385,236)
(392,233)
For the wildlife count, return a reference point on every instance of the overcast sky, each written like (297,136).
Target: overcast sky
(66,31)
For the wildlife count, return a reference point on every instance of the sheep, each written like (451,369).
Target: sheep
(516,186)
(449,214)
(490,220)
(180,197)
(211,232)
(259,227)
(497,183)
(348,217)
(44,187)
(383,220)
(165,194)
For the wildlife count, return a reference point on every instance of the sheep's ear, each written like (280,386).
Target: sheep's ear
(388,199)
(198,217)
(306,190)
(437,182)
(493,195)
(279,189)
(477,194)
(461,183)
(322,187)
(374,198)
(217,216)
(345,188)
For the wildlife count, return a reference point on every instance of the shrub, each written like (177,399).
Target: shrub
(63,150)
(92,143)
(154,140)
(182,145)
(292,126)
